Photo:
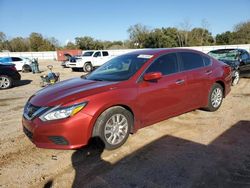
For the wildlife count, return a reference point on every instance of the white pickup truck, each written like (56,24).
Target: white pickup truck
(90,59)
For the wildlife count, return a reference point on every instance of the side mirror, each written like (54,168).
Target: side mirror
(152,76)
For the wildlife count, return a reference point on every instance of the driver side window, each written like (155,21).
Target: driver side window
(97,54)
(166,64)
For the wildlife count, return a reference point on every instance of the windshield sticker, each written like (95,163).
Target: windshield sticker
(144,56)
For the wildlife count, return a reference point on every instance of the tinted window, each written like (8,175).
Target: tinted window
(166,64)
(16,59)
(191,60)
(244,56)
(87,53)
(105,53)
(97,54)
(207,60)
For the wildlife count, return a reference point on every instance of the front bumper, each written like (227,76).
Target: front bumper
(70,133)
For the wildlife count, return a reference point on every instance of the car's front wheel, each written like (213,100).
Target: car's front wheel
(215,97)
(5,82)
(113,126)
(236,78)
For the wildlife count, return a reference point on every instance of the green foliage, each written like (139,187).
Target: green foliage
(224,38)
(140,36)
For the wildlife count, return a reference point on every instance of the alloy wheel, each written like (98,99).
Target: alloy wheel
(4,82)
(116,129)
(216,97)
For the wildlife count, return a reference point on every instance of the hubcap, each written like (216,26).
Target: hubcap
(116,129)
(216,97)
(4,82)
(88,68)
(236,79)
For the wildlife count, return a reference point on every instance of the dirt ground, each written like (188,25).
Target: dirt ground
(196,149)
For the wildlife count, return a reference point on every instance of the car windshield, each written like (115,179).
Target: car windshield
(119,68)
(229,55)
(87,54)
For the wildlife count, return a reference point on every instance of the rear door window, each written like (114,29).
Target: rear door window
(105,53)
(97,54)
(207,61)
(166,64)
(16,59)
(191,60)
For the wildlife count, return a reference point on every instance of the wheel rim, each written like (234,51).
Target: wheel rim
(4,82)
(216,97)
(116,129)
(237,78)
(88,68)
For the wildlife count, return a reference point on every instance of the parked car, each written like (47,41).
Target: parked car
(21,63)
(69,59)
(125,94)
(90,60)
(8,75)
(238,59)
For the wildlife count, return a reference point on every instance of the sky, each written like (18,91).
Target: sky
(110,19)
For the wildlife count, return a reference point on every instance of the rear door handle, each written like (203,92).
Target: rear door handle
(208,72)
(180,82)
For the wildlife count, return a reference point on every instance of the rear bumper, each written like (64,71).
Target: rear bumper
(70,133)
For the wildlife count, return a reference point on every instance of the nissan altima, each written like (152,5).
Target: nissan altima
(125,94)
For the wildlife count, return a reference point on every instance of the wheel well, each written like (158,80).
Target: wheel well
(88,62)
(94,133)
(222,85)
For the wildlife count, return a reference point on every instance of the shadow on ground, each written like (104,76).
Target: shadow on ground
(22,83)
(172,162)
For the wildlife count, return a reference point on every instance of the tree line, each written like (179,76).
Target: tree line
(140,36)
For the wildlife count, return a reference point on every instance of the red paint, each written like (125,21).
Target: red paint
(150,101)
(61,57)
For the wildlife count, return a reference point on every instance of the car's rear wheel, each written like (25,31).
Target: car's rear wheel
(5,82)
(215,97)
(113,127)
(87,67)
(236,78)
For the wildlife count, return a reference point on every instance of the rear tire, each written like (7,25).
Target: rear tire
(236,78)
(215,98)
(113,127)
(5,82)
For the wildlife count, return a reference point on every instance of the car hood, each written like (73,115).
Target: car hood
(69,90)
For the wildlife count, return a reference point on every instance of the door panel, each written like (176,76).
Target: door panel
(161,99)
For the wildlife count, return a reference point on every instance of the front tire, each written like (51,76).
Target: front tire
(215,98)
(5,82)
(113,127)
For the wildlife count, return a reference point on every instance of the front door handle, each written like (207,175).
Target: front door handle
(208,72)
(180,82)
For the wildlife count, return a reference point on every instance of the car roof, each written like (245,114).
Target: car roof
(226,50)
(159,51)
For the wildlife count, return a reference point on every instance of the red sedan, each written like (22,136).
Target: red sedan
(127,93)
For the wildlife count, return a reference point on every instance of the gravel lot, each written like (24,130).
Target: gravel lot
(196,149)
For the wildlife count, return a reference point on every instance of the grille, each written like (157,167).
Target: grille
(31,111)
(59,140)
(28,133)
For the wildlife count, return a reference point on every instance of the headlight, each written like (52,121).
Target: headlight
(62,112)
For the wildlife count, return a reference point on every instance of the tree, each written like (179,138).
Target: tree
(36,41)
(242,33)
(224,38)
(200,37)
(19,44)
(70,46)
(138,34)
(85,43)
